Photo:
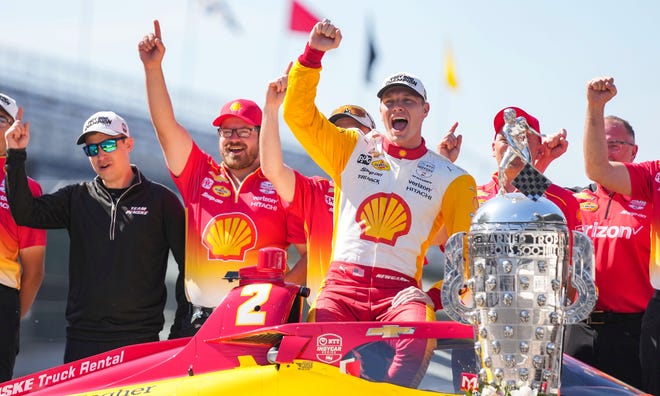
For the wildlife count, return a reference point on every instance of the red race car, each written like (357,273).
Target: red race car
(254,344)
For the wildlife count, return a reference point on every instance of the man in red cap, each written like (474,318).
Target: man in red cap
(543,150)
(231,198)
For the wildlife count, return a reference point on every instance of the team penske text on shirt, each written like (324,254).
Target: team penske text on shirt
(370,175)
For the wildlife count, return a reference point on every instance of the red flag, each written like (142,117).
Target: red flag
(301,19)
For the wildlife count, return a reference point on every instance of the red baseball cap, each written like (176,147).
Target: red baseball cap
(244,109)
(498,121)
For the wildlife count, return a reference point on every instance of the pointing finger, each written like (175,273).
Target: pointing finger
(453,127)
(157,29)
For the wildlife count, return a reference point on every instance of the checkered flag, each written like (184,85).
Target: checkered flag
(531,182)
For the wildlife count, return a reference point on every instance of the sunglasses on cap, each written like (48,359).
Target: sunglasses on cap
(110,145)
(356,111)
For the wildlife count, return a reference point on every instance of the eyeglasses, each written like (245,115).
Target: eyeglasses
(110,145)
(5,120)
(618,144)
(240,132)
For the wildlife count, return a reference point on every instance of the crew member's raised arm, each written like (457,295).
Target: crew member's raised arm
(174,139)
(612,175)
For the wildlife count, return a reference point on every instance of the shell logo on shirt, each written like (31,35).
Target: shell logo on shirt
(229,236)
(584,196)
(383,218)
(218,177)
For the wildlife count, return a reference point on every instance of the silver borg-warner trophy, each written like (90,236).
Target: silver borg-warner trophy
(525,280)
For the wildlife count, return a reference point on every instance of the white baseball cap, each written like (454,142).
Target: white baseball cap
(107,122)
(9,105)
(404,80)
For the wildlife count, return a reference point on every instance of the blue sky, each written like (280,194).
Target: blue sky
(532,54)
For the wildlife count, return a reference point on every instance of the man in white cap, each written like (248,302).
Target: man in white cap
(392,195)
(121,226)
(22,252)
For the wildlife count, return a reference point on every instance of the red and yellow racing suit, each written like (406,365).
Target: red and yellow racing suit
(390,203)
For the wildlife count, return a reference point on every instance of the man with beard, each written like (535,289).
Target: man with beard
(232,209)
(543,150)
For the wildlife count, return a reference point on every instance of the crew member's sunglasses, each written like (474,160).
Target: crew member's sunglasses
(358,112)
(110,145)
(355,110)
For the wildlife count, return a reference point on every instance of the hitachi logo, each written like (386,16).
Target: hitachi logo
(598,231)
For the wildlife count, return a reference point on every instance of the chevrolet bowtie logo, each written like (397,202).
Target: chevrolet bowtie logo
(390,331)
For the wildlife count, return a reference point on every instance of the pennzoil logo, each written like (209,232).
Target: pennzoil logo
(381,165)
(383,218)
(229,236)
(588,206)
(221,191)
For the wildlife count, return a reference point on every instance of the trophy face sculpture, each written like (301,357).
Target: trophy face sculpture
(528,277)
